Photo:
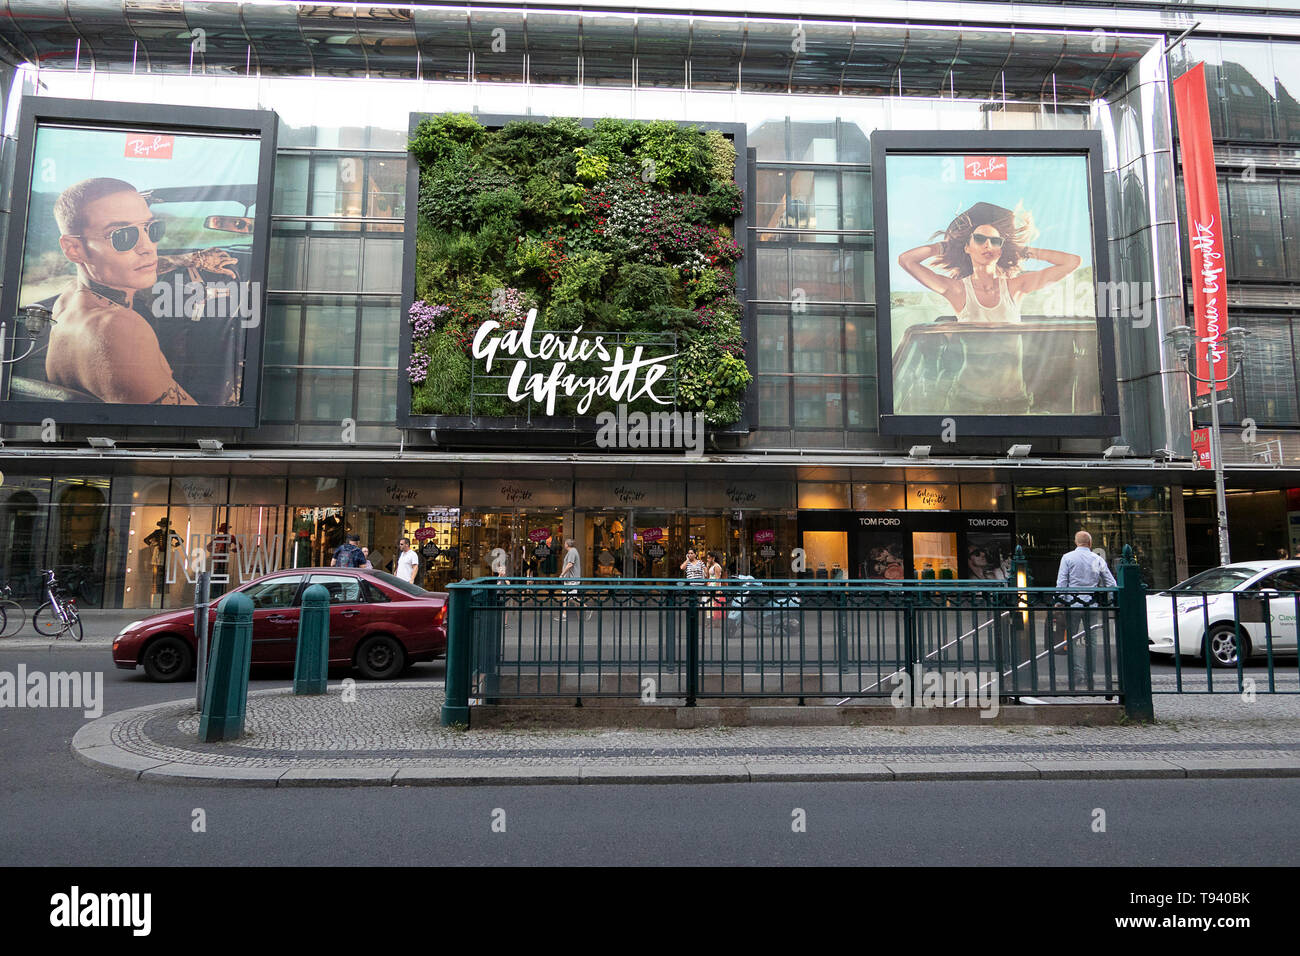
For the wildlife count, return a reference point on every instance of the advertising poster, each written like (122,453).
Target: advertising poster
(145,245)
(992,285)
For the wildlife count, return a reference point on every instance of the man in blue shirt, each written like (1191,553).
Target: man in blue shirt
(349,555)
(1081,568)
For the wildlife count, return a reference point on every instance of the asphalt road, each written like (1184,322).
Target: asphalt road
(55,811)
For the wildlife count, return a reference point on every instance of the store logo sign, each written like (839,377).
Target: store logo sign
(986,168)
(628,495)
(149,146)
(397,494)
(740,496)
(626,379)
(515,494)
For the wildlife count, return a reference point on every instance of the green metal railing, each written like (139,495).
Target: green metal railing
(825,641)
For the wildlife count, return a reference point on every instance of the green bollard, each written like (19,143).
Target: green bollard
(311,666)
(460,632)
(1134,662)
(225,700)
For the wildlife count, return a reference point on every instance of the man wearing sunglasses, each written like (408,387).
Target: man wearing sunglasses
(99,343)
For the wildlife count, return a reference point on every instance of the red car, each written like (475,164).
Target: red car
(378,623)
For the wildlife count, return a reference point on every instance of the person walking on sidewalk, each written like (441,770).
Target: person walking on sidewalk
(407,561)
(1081,568)
(571,570)
(349,555)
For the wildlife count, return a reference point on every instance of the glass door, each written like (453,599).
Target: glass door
(607,544)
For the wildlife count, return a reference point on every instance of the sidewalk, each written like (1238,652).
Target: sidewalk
(99,627)
(391,736)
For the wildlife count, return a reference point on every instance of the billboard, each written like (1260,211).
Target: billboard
(138,229)
(991,285)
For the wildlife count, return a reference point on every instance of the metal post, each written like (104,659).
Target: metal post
(311,662)
(202,599)
(1134,659)
(689,593)
(1216,454)
(455,709)
(226,702)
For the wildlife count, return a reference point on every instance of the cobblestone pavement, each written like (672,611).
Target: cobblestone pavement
(390,730)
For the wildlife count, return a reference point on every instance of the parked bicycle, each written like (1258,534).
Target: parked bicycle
(12,615)
(59,614)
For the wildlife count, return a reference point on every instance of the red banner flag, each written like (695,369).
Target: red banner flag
(1204,223)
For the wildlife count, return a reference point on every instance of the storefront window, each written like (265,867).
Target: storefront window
(823,495)
(985,497)
(879,497)
(24,510)
(78,542)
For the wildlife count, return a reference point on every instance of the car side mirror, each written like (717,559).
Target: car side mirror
(243,225)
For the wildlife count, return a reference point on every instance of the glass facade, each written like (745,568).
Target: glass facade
(343,82)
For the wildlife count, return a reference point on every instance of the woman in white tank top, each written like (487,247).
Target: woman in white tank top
(982,280)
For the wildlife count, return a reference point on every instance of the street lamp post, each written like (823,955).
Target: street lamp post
(34,319)
(1181,337)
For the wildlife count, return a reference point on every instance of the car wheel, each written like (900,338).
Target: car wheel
(167,659)
(1221,646)
(380,658)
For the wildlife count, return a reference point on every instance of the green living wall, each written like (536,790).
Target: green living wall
(623,228)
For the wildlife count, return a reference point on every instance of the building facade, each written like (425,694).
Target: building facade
(334,452)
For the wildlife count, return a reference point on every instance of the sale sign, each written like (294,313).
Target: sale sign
(423,534)
(1201,448)
(149,146)
(1204,224)
(652,534)
(987,168)
(764,537)
(539,534)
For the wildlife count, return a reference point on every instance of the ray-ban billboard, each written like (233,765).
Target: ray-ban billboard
(143,230)
(990,254)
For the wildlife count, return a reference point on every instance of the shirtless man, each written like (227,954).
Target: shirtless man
(99,344)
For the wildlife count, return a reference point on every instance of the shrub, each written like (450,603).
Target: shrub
(440,138)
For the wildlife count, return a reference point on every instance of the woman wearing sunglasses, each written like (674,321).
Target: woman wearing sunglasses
(980,273)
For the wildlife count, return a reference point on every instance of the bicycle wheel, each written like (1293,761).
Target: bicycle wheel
(12,618)
(47,622)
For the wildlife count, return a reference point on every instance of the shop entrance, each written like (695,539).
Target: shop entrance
(894,546)
(532,541)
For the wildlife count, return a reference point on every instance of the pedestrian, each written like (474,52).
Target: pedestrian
(407,561)
(571,570)
(694,567)
(713,570)
(1081,568)
(348,554)
(365,553)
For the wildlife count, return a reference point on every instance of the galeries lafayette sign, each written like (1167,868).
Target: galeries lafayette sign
(625,379)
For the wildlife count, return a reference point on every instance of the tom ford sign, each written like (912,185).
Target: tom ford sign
(625,379)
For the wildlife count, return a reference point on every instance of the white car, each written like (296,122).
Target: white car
(1207,609)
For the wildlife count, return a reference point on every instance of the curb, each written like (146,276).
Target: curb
(93,746)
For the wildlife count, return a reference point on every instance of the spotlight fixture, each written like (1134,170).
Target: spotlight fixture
(919,451)
(102,443)
(1117,451)
(1019,451)
(210,444)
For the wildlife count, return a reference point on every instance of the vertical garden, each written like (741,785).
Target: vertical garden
(622,229)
